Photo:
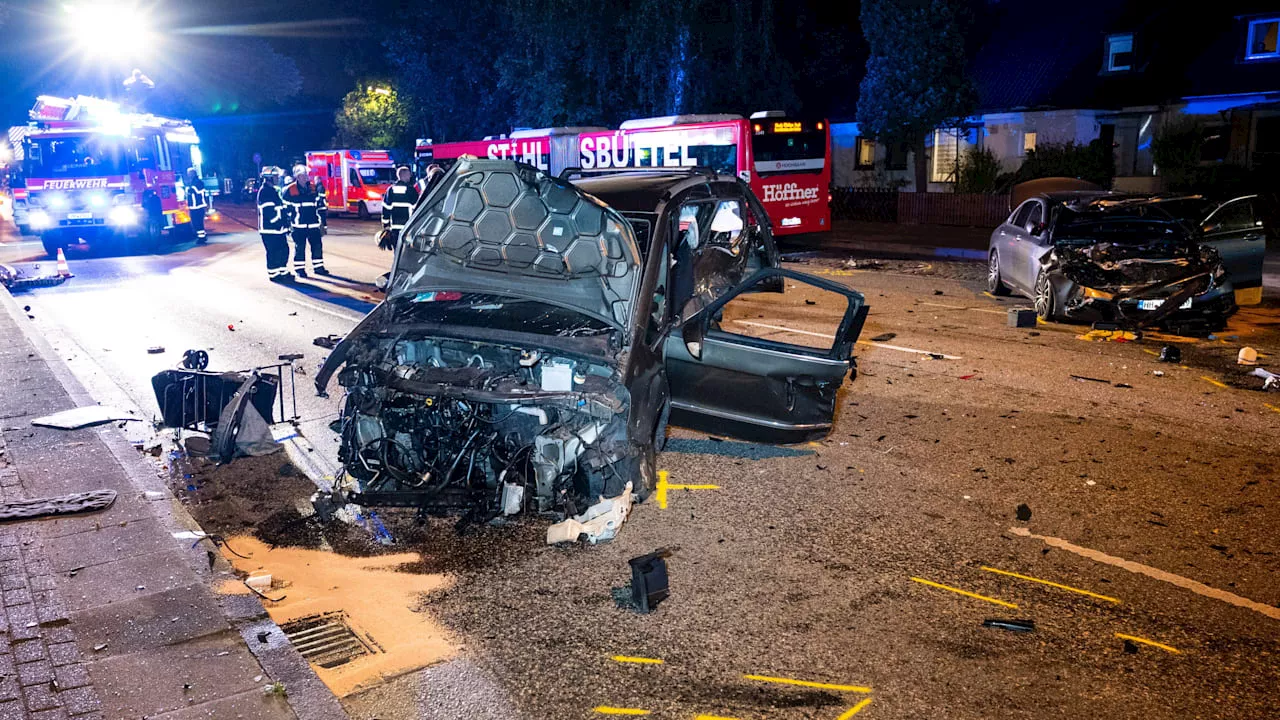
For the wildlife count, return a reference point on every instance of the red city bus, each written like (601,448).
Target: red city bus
(786,161)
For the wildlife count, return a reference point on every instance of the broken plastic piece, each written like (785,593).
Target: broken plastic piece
(60,505)
(512,498)
(649,582)
(1270,380)
(1247,356)
(83,417)
(195,359)
(599,523)
(1021,318)
(156,350)
(1010,625)
(1170,354)
(328,342)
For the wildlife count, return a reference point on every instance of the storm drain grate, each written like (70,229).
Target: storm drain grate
(327,639)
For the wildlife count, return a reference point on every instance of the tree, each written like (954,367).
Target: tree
(917,75)
(373,116)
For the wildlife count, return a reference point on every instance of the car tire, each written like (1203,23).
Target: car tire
(52,244)
(995,282)
(1046,301)
(362,211)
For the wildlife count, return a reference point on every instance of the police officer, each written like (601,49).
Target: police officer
(303,206)
(198,204)
(397,205)
(273,225)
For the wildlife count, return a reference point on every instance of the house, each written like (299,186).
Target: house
(1110,71)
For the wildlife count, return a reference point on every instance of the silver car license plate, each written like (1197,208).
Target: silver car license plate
(1154,304)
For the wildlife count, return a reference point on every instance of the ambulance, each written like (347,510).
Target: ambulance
(354,180)
(97,174)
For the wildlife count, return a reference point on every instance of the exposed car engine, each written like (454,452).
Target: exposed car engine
(447,425)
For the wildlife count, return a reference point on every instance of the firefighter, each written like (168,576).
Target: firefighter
(273,225)
(198,204)
(303,203)
(430,180)
(397,205)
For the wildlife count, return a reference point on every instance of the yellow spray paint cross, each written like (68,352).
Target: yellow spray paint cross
(664,486)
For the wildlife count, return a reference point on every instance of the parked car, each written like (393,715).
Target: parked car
(1182,262)
(537,335)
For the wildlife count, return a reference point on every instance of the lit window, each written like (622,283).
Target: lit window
(1119,52)
(1262,39)
(946,154)
(1028,142)
(866,153)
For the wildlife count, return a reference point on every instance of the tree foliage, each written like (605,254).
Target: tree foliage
(484,67)
(979,172)
(1093,162)
(373,116)
(917,76)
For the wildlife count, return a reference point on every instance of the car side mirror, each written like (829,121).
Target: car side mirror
(693,332)
(1038,229)
(1208,227)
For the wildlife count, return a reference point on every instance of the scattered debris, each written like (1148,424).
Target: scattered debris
(1130,647)
(968,377)
(1158,373)
(937,356)
(231,327)
(1022,626)
(1021,318)
(155,350)
(1023,512)
(100,647)
(884,337)
(327,342)
(1100,335)
(649,582)
(81,502)
(13,280)
(1083,378)
(83,417)
(1171,354)
(937,292)
(1270,380)
(1247,356)
(1126,386)
(195,360)
(810,302)
(599,523)
(154,495)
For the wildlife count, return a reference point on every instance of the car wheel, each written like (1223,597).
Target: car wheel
(647,473)
(995,285)
(362,211)
(52,244)
(1045,300)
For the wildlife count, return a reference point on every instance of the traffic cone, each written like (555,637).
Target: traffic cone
(63,269)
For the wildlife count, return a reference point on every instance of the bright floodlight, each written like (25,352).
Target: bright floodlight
(109,29)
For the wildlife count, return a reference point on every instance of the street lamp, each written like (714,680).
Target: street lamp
(108,30)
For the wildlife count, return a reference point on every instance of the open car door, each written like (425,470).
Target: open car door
(749,367)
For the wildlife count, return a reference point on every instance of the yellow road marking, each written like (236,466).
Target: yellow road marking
(660,492)
(855,709)
(808,684)
(966,593)
(1213,382)
(713,717)
(1150,352)
(1273,407)
(1051,584)
(606,710)
(993,297)
(636,660)
(1152,643)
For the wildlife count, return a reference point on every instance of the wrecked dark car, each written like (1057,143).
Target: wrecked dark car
(536,339)
(1182,263)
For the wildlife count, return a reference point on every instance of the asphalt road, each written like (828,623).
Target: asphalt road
(817,578)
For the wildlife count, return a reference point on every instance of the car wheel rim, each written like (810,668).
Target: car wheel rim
(993,271)
(1042,297)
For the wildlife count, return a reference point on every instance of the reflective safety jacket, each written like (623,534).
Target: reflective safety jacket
(197,196)
(324,203)
(397,204)
(272,219)
(302,203)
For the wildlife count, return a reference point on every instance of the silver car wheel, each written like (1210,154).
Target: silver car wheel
(993,271)
(1044,297)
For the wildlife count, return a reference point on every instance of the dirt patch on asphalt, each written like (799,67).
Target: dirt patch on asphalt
(967,271)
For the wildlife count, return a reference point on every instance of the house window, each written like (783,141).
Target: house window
(1028,141)
(946,154)
(895,156)
(866,153)
(1119,52)
(1262,39)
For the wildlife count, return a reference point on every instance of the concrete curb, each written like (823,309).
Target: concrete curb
(308,697)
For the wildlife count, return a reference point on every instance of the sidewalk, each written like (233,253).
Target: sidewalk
(108,615)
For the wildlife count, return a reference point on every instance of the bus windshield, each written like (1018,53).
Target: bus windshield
(377,175)
(78,156)
(789,152)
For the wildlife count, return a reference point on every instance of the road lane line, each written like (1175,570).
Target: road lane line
(995,312)
(827,336)
(660,492)
(714,717)
(636,660)
(1138,568)
(1051,584)
(1213,382)
(952,307)
(1152,643)
(325,310)
(854,710)
(808,683)
(966,593)
(607,710)
(1272,407)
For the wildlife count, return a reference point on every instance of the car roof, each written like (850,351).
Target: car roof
(642,190)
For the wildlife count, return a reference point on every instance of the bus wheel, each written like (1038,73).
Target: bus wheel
(52,242)
(362,211)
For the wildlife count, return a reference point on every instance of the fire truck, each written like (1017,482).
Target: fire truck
(785,160)
(96,173)
(354,180)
